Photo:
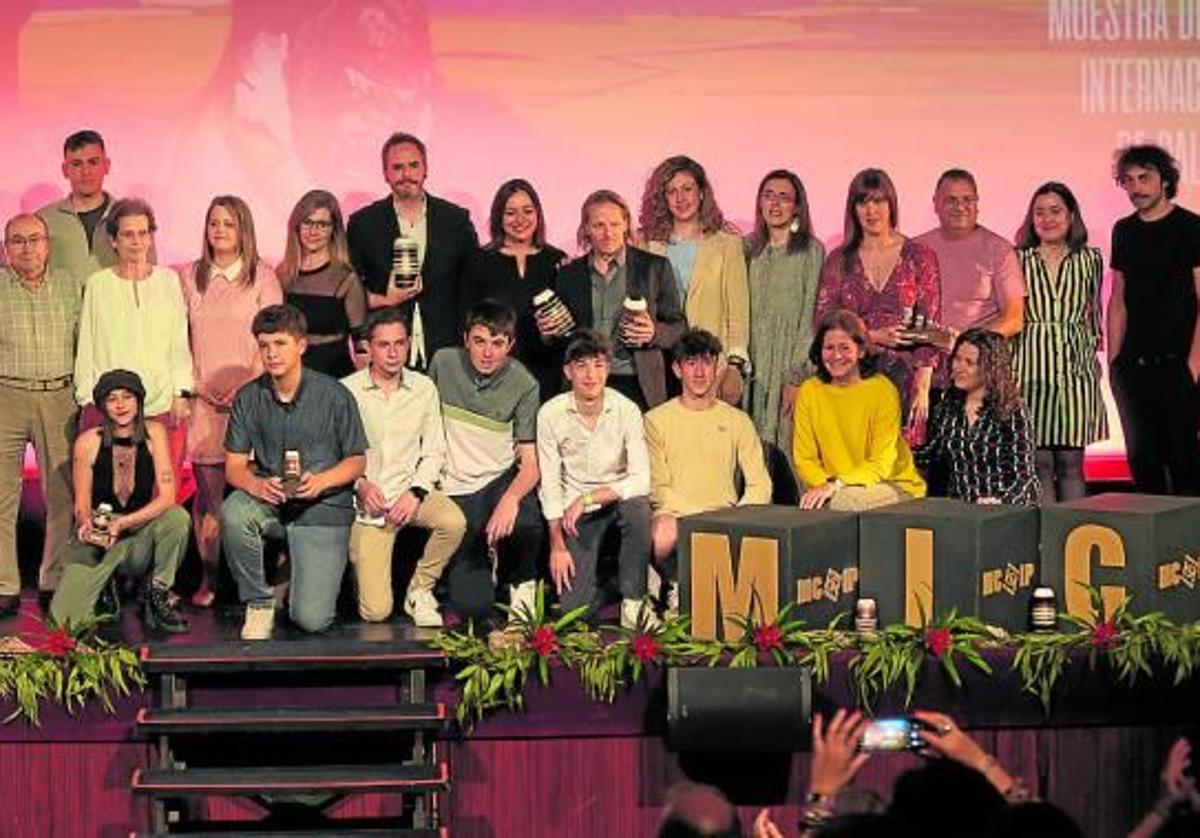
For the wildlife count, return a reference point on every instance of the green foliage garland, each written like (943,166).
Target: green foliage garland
(609,659)
(68,665)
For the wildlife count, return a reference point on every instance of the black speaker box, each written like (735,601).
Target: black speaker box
(764,710)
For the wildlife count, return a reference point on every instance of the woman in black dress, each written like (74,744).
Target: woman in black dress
(513,268)
(317,278)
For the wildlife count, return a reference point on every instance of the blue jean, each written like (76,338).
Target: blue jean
(317,555)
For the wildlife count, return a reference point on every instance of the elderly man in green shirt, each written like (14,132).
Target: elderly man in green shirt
(39,316)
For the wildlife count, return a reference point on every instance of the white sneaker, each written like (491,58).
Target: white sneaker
(259,623)
(672,609)
(637,614)
(422,606)
(522,602)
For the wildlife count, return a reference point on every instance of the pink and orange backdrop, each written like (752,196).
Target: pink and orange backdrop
(267,99)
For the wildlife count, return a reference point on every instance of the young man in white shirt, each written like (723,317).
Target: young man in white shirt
(406,450)
(595,476)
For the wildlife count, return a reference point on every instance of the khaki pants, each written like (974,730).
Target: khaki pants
(155,549)
(371,554)
(859,498)
(46,419)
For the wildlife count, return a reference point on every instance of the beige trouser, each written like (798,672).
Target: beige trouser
(371,554)
(858,498)
(47,419)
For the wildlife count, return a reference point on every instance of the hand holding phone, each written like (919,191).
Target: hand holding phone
(836,758)
(892,735)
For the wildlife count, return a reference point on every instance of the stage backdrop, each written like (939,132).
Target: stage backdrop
(267,99)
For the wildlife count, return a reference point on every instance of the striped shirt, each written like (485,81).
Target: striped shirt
(485,417)
(1054,356)
(38,328)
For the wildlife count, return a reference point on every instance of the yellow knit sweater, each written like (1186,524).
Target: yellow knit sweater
(853,433)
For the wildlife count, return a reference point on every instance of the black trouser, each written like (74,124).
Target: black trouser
(631,388)
(1156,397)
(469,586)
(632,519)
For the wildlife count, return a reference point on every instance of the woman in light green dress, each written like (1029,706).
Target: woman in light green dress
(785,266)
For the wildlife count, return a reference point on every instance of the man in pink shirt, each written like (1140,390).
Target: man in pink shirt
(982,285)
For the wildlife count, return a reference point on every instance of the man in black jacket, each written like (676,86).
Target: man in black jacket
(628,295)
(411,220)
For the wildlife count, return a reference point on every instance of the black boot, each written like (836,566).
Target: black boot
(109,601)
(158,613)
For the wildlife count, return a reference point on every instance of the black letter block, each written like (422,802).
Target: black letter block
(772,554)
(981,560)
(1145,545)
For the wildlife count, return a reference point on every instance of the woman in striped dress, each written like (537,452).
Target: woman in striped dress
(1055,354)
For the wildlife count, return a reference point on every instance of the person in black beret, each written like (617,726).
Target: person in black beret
(126,517)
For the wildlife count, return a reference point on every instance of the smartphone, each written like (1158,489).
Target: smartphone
(899,734)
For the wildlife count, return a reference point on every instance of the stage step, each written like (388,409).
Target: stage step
(244,830)
(253,781)
(290,655)
(159,722)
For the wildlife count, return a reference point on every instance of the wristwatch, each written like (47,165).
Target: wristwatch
(740,364)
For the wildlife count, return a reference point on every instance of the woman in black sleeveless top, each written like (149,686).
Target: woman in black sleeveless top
(125,510)
(317,278)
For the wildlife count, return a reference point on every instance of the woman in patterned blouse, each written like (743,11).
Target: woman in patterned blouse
(979,433)
(885,277)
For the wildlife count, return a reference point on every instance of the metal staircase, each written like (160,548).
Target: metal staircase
(256,721)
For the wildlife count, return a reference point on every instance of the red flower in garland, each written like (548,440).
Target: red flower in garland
(57,643)
(938,640)
(767,638)
(1105,634)
(644,648)
(544,641)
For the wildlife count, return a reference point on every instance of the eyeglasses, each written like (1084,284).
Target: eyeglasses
(25,241)
(777,198)
(134,235)
(316,224)
(961,201)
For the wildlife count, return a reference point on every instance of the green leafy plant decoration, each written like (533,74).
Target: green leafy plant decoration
(1128,646)
(68,665)
(897,653)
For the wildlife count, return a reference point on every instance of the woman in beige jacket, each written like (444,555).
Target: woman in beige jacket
(680,219)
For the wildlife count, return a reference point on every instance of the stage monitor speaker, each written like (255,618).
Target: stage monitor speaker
(760,710)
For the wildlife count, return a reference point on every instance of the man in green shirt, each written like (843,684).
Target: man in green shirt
(78,242)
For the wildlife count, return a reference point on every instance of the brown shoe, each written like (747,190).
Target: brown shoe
(9,604)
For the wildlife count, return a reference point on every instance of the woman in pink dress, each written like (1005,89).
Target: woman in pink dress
(885,277)
(223,290)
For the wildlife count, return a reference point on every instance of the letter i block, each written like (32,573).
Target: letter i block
(981,560)
(754,560)
(1144,545)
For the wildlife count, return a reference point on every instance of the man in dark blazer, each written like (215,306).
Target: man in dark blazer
(442,233)
(595,286)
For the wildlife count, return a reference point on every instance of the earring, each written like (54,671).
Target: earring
(794,227)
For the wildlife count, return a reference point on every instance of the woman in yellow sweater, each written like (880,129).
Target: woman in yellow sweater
(848,450)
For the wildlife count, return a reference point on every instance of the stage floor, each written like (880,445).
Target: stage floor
(218,625)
